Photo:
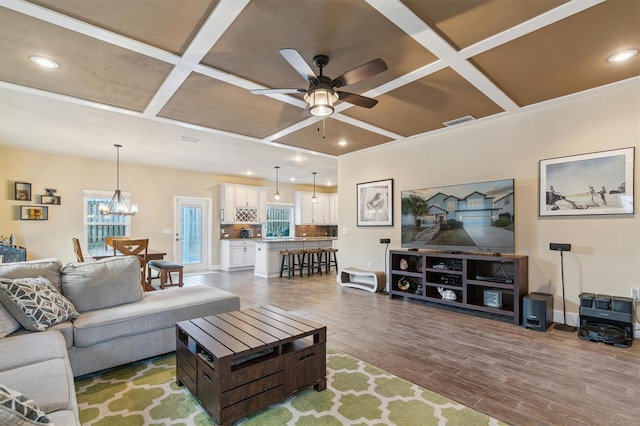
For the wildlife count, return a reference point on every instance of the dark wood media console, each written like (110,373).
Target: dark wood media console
(480,282)
(239,362)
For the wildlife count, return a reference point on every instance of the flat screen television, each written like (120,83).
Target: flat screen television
(472,217)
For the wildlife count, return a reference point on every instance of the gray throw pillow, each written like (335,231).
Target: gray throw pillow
(101,284)
(35,303)
(17,409)
(8,324)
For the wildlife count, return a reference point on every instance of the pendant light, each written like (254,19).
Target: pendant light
(276,196)
(118,206)
(314,199)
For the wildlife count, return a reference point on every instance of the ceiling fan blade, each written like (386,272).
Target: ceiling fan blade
(276,91)
(358,100)
(360,73)
(299,64)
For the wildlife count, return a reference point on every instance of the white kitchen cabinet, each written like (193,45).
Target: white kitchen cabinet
(237,254)
(243,204)
(310,213)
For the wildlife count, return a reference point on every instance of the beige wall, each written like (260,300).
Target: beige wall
(153,190)
(606,250)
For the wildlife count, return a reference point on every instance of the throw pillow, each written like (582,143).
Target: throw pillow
(35,303)
(101,284)
(17,409)
(8,323)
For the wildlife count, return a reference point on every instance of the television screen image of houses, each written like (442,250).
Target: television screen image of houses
(474,217)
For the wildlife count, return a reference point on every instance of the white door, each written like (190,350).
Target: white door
(191,233)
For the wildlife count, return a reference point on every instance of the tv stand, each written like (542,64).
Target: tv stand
(480,282)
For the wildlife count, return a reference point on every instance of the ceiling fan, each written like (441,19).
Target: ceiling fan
(322,93)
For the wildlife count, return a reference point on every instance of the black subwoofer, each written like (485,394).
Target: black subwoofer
(537,311)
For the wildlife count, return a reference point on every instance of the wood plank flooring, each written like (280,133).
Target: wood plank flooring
(519,376)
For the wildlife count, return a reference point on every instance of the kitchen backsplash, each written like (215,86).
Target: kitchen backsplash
(255,231)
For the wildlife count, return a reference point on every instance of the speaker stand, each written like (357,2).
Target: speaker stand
(563,327)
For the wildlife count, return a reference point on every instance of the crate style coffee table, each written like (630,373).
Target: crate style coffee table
(239,362)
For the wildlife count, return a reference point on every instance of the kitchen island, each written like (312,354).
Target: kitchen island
(268,258)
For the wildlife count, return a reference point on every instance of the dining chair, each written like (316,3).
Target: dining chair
(77,249)
(136,248)
(108,241)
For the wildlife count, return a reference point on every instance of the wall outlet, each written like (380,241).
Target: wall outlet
(369,265)
(635,293)
(167,231)
(345,231)
(385,240)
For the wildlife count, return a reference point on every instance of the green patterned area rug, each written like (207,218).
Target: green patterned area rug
(145,393)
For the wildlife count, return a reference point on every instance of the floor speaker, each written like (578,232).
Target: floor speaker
(537,311)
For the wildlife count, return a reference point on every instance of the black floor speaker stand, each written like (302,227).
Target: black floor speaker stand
(562,248)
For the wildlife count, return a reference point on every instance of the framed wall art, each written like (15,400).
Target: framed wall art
(375,203)
(50,199)
(23,191)
(598,183)
(34,213)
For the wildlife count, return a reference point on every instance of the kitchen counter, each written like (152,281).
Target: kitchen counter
(294,239)
(268,258)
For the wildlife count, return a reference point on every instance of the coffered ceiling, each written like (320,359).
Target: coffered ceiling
(186,67)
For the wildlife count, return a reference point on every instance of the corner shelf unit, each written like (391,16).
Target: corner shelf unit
(481,282)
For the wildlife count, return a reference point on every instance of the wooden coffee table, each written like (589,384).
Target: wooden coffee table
(239,362)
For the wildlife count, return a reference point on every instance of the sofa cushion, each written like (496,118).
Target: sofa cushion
(102,284)
(17,409)
(157,310)
(48,268)
(8,324)
(35,303)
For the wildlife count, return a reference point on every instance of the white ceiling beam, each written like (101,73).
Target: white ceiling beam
(407,21)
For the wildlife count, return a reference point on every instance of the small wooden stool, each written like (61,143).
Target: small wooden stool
(165,268)
(291,262)
(328,260)
(312,259)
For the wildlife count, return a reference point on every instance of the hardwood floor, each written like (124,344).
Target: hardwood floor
(519,376)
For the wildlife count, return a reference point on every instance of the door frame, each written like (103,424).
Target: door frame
(206,234)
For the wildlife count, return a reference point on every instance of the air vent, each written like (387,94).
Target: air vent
(457,121)
(187,139)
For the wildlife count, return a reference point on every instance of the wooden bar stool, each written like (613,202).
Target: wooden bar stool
(312,259)
(291,262)
(164,268)
(330,259)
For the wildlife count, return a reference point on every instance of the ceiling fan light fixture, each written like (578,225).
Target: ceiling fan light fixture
(321,101)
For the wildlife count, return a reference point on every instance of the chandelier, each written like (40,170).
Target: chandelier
(118,206)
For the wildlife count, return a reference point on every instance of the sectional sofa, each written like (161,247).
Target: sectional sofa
(104,319)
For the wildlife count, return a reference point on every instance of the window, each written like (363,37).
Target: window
(279,221)
(475,203)
(98,226)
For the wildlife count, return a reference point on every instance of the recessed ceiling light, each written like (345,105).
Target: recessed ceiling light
(298,158)
(292,179)
(249,172)
(623,56)
(44,62)
(342,143)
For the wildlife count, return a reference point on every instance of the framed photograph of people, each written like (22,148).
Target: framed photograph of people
(375,203)
(598,183)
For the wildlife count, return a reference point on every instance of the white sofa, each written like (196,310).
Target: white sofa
(116,324)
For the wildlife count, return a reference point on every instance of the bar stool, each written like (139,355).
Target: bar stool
(330,260)
(312,259)
(291,262)
(164,268)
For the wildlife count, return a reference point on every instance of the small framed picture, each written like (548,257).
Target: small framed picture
(34,213)
(493,298)
(375,203)
(23,191)
(50,199)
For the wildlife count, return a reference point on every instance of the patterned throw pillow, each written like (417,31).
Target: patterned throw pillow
(17,409)
(35,303)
